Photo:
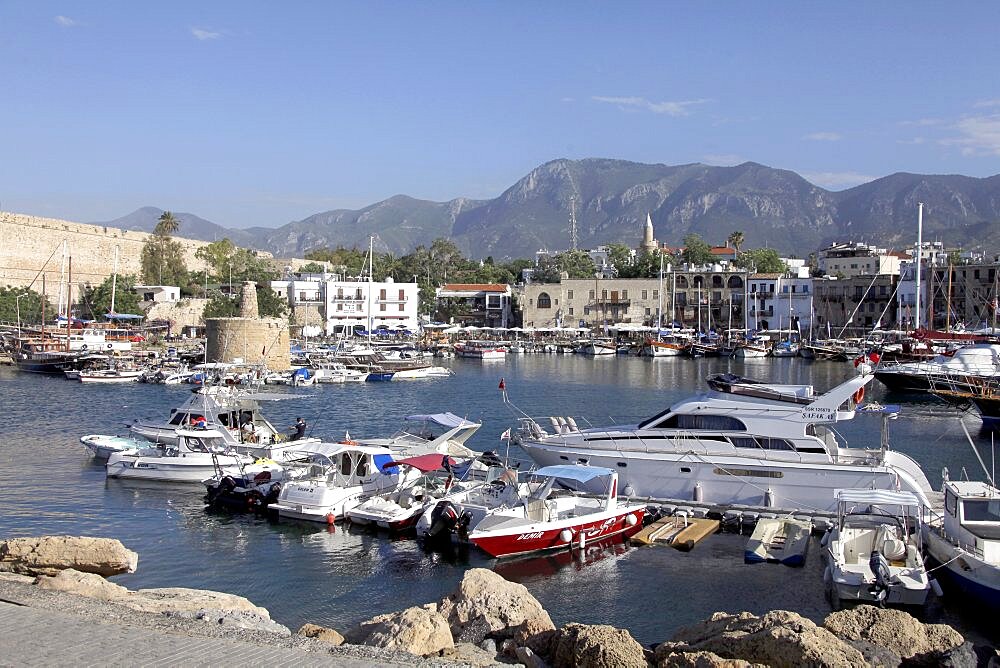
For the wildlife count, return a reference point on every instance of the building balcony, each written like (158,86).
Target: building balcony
(608,303)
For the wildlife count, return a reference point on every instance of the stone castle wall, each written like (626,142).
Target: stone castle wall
(185,313)
(250,340)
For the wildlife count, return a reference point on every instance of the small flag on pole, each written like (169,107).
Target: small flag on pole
(502,385)
(505,436)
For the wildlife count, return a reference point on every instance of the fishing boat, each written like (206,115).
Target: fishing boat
(340,477)
(742,443)
(481,350)
(873,552)
(102,445)
(780,540)
(671,346)
(195,456)
(965,540)
(568,506)
(598,348)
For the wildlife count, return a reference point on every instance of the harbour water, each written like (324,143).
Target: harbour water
(304,572)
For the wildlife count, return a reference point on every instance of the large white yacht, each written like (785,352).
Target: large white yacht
(742,443)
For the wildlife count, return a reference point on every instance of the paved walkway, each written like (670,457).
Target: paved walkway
(39,637)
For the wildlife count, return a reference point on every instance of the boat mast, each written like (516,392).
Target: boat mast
(659,304)
(920,245)
(947,314)
(69,302)
(371,278)
(114,281)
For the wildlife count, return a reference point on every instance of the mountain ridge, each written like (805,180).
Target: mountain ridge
(773,207)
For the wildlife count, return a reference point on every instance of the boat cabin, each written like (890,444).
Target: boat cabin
(972,517)
(343,465)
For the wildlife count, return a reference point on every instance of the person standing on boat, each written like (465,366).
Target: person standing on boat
(300,429)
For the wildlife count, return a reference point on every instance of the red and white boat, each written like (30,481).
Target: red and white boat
(483,350)
(569,506)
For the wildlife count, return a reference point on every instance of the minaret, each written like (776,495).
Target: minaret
(648,242)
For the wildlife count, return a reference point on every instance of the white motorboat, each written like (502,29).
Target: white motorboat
(568,506)
(233,412)
(399,509)
(341,476)
(255,488)
(422,372)
(110,376)
(458,513)
(337,372)
(443,433)
(195,456)
(101,445)
(745,443)
(873,552)
(965,540)
(598,348)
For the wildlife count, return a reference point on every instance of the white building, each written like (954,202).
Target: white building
(780,302)
(158,293)
(340,305)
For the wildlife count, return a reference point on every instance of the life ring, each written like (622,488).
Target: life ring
(111,346)
(83,347)
(859,395)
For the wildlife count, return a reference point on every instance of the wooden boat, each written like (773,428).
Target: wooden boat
(678,531)
(778,541)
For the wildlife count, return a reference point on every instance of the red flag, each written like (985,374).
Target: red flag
(874,357)
(502,385)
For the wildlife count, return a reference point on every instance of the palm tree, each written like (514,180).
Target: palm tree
(735,240)
(167,224)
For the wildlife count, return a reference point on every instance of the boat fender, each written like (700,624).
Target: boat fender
(581,540)
(859,395)
(630,520)
(330,519)
(566,536)
(935,587)
(769,498)
(827,575)
(699,493)
(628,489)
(825,540)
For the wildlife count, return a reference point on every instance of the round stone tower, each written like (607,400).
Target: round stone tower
(249,338)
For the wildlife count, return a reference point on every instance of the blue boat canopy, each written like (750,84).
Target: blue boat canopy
(573,472)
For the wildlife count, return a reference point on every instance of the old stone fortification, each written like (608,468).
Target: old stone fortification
(27,242)
(252,340)
(185,313)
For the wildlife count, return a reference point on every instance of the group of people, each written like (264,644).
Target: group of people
(249,431)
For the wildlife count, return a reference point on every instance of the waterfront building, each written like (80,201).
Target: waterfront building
(344,304)
(856,305)
(962,296)
(846,260)
(476,304)
(158,294)
(780,301)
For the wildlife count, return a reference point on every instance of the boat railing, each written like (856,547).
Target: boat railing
(935,524)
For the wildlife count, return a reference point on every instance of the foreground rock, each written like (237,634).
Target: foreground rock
(595,646)
(779,639)
(47,555)
(322,634)
(895,630)
(210,606)
(417,630)
(485,604)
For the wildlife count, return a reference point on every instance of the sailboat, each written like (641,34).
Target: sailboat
(673,345)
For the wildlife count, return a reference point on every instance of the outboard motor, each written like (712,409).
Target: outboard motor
(463,526)
(444,520)
(880,567)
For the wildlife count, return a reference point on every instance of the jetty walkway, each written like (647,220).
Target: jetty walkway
(39,637)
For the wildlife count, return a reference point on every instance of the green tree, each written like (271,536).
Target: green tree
(735,240)
(350,260)
(23,300)
(229,263)
(762,260)
(163,257)
(622,259)
(221,306)
(546,271)
(576,263)
(269,304)
(696,251)
(95,302)
(312,268)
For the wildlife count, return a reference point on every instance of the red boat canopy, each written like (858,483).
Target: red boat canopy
(424,463)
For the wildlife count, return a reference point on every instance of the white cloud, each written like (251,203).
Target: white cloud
(912,142)
(723,159)
(680,108)
(923,122)
(837,180)
(568,99)
(986,103)
(66,22)
(202,34)
(979,135)
(824,136)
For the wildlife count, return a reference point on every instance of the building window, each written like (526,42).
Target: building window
(571,310)
(624,295)
(381,307)
(586,310)
(604,295)
(569,294)
(340,307)
(402,307)
(381,294)
(544,301)
(645,294)
(649,311)
(591,295)
(656,294)
(302,296)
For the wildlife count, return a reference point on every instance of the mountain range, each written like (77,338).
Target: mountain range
(772,207)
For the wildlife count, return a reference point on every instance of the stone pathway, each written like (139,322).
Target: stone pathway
(38,637)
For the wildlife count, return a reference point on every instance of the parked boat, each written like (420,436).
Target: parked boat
(672,346)
(482,350)
(778,541)
(965,540)
(759,444)
(108,376)
(549,518)
(337,372)
(102,446)
(984,395)
(255,488)
(961,369)
(598,348)
(441,433)
(399,509)
(873,552)
(340,477)
(195,456)
(455,515)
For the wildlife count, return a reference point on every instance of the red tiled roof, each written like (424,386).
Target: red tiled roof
(723,250)
(476,287)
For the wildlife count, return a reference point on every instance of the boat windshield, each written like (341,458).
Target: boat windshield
(981,510)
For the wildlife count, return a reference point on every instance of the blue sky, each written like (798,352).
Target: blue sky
(259,113)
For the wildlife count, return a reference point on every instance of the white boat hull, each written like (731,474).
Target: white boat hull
(182,469)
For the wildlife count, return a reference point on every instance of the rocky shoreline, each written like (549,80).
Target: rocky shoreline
(486,621)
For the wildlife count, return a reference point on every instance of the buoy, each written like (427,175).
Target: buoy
(566,536)
(330,519)
(631,520)
(699,493)
(629,490)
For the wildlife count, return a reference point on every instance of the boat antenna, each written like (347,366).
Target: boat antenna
(973,446)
